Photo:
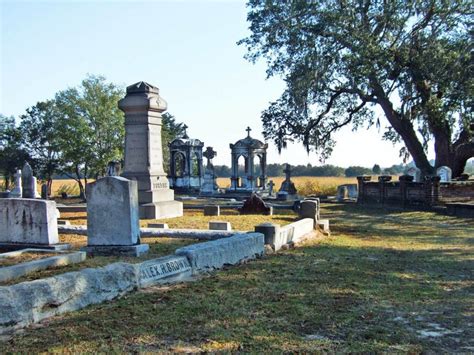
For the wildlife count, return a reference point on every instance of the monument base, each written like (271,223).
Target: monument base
(162,209)
(122,250)
(18,246)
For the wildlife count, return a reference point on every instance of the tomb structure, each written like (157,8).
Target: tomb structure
(252,153)
(186,173)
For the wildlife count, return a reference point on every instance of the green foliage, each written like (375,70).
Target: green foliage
(357,171)
(91,128)
(12,154)
(170,130)
(39,134)
(376,169)
(339,59)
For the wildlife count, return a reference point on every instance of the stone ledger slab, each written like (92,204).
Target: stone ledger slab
(28,221)
(229,251)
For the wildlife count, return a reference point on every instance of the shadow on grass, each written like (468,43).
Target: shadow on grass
(350,298)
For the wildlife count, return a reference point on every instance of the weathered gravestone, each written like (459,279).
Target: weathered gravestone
(143,107)
(209,184)
(17,191)
(309,209)
(29,223)
(113,226)
(445,173)
(35,188)
(28,182)
(287,190)
(415,172)
(255,205)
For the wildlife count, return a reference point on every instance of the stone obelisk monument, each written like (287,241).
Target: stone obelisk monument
(143,107)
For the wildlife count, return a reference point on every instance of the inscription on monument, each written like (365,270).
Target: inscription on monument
(156,269)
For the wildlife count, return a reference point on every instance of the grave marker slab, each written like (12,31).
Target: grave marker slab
(112,218)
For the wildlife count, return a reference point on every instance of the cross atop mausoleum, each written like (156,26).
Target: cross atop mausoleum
(248,131)
(185,134)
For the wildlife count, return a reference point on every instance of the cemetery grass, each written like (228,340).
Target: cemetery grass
(192,219)
(384,281)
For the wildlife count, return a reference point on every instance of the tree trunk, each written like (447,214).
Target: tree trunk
(404,128)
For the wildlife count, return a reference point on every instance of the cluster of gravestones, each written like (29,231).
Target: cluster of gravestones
(25,184)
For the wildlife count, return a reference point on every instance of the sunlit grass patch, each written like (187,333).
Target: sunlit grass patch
(381,282)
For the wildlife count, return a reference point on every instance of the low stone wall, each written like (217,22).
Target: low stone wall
(409,193)
(30,302)
(277,236)
(229,251)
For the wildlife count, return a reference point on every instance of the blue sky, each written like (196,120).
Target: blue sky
(186,48)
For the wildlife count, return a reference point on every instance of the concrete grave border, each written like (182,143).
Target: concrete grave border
(12,272)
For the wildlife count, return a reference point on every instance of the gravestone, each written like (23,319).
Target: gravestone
(143,107)
(255,205)
(113,225)
(347,191)
(342,193)
(309,209)
(29,223)
(220,226)
(445,173)
(415,172)
(287,190)
(35,188)
(17,190)
(209,184)
(27,182)
(212,210)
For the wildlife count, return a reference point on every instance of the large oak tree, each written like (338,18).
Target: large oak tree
(342,58)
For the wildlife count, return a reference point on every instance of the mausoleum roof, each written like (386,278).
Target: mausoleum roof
(186,142)
(249,142)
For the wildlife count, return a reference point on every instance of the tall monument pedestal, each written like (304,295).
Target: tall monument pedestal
(143,107)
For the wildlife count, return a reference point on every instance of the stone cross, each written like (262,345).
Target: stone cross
(248,131)
(17,191)
(287,172)
(209,154)
(185,134)
(28,182)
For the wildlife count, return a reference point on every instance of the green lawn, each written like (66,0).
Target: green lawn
(384,281)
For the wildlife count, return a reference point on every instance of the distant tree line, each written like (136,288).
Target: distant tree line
(324,170)
(73,135)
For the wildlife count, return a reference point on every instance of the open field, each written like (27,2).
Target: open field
(385,281)
(306,185)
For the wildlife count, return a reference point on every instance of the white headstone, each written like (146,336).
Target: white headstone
(445,173)
(28,221)
(35,184)
(415,172)
(17,191)
(28,183)
(112,212)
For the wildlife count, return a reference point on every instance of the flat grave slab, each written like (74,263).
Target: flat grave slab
(23,268)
